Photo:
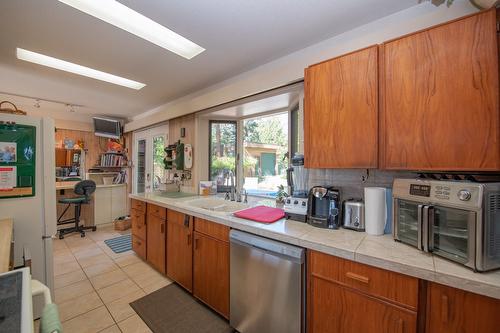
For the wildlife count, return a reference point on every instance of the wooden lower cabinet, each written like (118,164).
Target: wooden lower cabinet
(345,296)
(211,272)
(156,242)
(180,248)
(334,308)
(454,310)
(139,246)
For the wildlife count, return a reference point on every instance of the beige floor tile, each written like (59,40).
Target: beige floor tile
(78,306)
(148,278)
(137,269)
(72,291)
(66,268)
(64,280)
(148,289)
(100,269)
(117,290)
(112,329)
(120,308)
(133,324)
(102,235)
(107,279)
(127,260)
(88,251)
(64,259)
(58,244)
(90,322)
(94,260)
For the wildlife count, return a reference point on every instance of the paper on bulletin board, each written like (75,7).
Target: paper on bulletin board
(8,179)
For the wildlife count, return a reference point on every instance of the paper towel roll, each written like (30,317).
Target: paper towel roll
(375,210)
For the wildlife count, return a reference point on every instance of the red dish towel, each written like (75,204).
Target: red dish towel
(261,214)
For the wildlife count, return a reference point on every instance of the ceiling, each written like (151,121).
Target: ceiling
(238,35)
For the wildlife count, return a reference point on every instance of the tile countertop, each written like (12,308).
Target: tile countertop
(378,251)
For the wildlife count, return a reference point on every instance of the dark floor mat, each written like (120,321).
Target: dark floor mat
(173,310)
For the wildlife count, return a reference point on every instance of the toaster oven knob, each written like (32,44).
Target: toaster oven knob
(464,195)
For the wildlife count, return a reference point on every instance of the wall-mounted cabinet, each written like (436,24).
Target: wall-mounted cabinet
(439,91)
(438,97)
(341,111)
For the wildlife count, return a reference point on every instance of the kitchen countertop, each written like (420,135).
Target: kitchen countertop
(378,251)
(6,229)
(71,185)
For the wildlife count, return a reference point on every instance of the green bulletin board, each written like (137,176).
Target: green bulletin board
(17,160)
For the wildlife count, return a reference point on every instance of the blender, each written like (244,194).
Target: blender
(297,178)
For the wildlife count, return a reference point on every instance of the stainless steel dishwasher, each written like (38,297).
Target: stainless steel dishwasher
(267,285)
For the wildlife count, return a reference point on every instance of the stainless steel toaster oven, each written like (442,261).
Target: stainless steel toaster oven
(456,220)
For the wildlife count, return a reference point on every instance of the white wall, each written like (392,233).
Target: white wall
(291,67)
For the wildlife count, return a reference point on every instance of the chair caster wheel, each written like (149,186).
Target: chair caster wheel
(61,236)
(82,234)
(94,228)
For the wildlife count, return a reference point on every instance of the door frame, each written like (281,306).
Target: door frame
(146,134)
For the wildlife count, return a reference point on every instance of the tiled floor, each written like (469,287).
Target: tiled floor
(94,285)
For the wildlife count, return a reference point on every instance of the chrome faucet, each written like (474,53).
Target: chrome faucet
(232,187)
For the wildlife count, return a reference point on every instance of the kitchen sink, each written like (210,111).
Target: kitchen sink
(217,205)
(175,195)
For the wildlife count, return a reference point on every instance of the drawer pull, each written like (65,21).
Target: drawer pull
(444,309)
(189,239)
(196,241)
(163,228)
(357,277)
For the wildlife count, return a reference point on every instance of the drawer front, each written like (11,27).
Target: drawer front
(139,246)
(398,288)
(215,230)
(138,223)
(157,211)
(138,205)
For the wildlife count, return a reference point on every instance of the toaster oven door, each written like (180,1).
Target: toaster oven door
(452,234)
(407,222)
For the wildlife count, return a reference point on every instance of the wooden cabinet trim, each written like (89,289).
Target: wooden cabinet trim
(156,210)
(343,55)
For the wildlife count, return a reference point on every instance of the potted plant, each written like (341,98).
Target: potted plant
(281,196)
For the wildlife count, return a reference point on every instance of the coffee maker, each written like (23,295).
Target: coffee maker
(323,207)
(297,177)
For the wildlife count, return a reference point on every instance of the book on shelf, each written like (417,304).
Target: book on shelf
(112,160)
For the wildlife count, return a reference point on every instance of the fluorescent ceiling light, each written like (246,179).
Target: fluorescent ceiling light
(121,16)
(44,60)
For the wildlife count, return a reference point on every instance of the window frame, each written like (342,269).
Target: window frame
(222,189)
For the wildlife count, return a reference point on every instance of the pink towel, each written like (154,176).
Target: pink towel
(262,214)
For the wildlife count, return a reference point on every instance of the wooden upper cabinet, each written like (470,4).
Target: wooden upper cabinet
(454,310)
(156,242)
(341,111)
(180,248)
(439,98)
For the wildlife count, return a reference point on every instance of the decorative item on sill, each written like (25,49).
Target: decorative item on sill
(15,110)
(281,196)
(174,157)
(480,4)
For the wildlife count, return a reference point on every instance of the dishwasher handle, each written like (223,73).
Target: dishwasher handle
(270,246)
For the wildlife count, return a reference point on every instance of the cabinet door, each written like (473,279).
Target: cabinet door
(180,248)
(138,221)
(341,112)
(60,157)
(211,272)
(139,246)
(102,209)
(118,201)
(454,310)
(440,98)
(156,242)
(333,308)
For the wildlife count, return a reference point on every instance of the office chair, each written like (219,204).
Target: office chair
(84,189)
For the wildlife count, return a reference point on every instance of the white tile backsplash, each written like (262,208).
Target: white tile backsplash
(352,182)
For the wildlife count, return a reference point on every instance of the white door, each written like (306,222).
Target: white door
(148,170)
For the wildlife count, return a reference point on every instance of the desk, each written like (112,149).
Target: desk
(6,230)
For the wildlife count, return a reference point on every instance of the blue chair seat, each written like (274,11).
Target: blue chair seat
(72,200)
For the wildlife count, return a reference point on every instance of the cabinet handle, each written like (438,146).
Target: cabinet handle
(186,221)
(196,241)
(162,228)
(357,277)
(444,309)
(400,326)
(189,239)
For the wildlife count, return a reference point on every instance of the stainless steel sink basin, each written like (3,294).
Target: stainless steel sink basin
(217,205)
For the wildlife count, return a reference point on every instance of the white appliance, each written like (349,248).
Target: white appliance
(35,217)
